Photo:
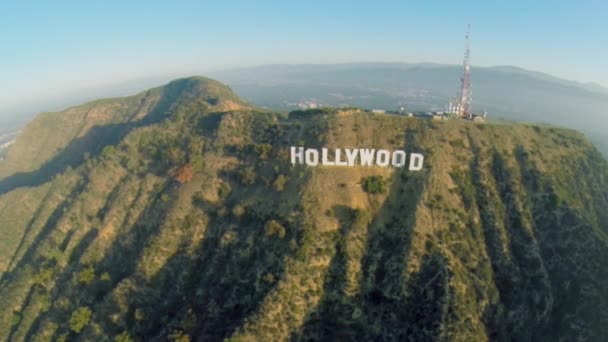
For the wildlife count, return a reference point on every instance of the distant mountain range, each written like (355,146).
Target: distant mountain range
(506,92)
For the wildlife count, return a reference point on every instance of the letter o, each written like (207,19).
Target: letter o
(399,159)
(312,157)
(382,158)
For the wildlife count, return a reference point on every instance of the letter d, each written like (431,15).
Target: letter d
(416,161)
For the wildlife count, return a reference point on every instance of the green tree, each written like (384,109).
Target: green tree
(247,175)
(16,318)
(80,319)
(123,337)
(86,276)
(263,150)
(179,336)
(279,183)
(108,152)
(273,228)
(374,184)
(197,163)
(105,276)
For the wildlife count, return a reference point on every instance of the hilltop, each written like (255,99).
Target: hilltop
(506,92)
(176,214)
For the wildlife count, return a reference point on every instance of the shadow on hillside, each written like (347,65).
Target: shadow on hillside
(332,319)
(120,261)
(554,223)
(206,290)
(233,270)
(91,144)
(222,286)
(32,256)
(381,309)
(50,224)
(380,300)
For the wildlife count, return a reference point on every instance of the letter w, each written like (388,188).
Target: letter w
(367,156)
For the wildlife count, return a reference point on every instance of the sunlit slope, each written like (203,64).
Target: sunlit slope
(197,225)
(68,134)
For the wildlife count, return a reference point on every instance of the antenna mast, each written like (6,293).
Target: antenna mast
(465,87)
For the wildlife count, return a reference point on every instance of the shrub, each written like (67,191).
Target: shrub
(273,228)
(263,150)
(457,143)
(124,337)
(269,278)
(238,211)
(80,319)
(173,155)
(178,336)
(132,164)
(184,174)
(197,163)
(374,184)
(361,218)
(279,183)
(16,318)
(108,152)
(224,190)
(86,276)
(247,175)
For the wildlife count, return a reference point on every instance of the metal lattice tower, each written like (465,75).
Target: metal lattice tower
(465,94)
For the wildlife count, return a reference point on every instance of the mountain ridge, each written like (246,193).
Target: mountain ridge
(137,85)
(590,86)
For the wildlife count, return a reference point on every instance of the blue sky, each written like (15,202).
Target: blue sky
(51,48)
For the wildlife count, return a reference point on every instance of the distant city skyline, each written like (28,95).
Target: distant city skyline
(57,48)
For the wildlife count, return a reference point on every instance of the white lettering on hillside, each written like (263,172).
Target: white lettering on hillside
(351,156)
(356,157)
(367,156)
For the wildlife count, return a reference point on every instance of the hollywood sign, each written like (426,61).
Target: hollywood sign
(356,157)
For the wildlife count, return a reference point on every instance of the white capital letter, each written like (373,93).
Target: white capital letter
(297,155)
(351,156)
(367,156)
(416,161)
(383,158)
(324,160)
(338,160)
(398,159)
(312,157)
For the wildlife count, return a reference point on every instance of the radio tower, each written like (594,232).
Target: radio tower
(464,97)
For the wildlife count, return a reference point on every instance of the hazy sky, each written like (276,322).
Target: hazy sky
(53,47)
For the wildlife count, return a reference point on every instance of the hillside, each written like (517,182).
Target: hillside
(176,214)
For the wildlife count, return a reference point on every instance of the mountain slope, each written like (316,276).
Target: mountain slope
(54,143)
(196,224)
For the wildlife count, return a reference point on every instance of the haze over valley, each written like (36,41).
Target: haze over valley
(506,93)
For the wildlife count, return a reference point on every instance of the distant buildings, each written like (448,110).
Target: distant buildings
(3,148)
(7,144)
(308,104)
